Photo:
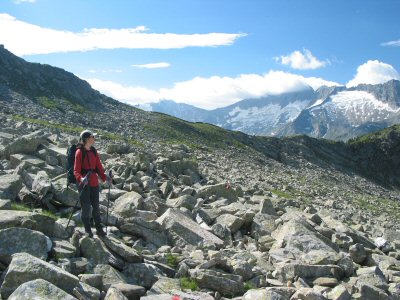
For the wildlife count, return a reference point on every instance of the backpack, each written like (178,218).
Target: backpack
(71,161)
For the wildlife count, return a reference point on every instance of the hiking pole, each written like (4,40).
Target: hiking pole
(76,203)
(70,217)
(109,190)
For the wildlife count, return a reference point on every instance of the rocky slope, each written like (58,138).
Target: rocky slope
(197,212)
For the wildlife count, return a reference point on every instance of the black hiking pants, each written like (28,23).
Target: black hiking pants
(89,199)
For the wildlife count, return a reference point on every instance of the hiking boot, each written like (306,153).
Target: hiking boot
(100,232)
(88,231)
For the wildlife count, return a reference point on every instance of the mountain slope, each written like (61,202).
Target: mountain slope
(48,85)
(153,131)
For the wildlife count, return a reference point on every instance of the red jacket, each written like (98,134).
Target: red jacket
(91,162)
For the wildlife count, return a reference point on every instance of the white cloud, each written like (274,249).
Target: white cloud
(392,43)
(132,95)
(301,60)
(215,91)
(373,72)
(316,82)
(153,65)
(24,38)
(24,1)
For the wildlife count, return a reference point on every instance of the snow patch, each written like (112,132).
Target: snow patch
(316,103)
(359,107)
(251,120)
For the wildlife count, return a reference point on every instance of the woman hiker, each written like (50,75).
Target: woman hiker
(87,168)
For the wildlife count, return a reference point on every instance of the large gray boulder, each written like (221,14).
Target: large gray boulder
(63,249)
(39,289)
(114,294)
(26,144)
(181,228)
(142,274)
(41,184)
(67,197)
(128,254)
(226,284)
(95,251)
(10,185)
(186,201)
(25,267)
(164,285)
(126,205)
(230,221)
(130,291)
(151,232)
(180,167)
(219,190)
(263,224)
(266,206)
(118,148)
(110,275)
(289,271)
(31,220)
(356,236)
(5,204)
(299,238)
(273,293)
(14,240)
(13,218)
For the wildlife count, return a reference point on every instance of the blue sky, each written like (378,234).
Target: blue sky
(260,47)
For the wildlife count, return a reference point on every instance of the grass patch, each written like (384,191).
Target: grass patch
(48,103)
(49,124)
(50,214)
(172,260)
(378,206)
(248,286)
(25,207)
(282,194)
(20,207)
(195,135)
(189,284)
(61,104)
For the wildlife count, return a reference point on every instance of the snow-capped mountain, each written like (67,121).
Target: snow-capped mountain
(340,113)
(261,116)
(329,112)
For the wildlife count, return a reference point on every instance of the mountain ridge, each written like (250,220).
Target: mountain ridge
(290,113)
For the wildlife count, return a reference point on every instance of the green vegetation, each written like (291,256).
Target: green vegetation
(378,206)
(189,284)
(375,136)
(172,260)
(49,124)
(25,207)
(195,135)
(48,103)
(248,286)
(50,214)
(76,129)
(60,104)
(20,207)
(282,194)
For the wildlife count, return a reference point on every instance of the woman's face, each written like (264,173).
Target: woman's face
(90,141)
